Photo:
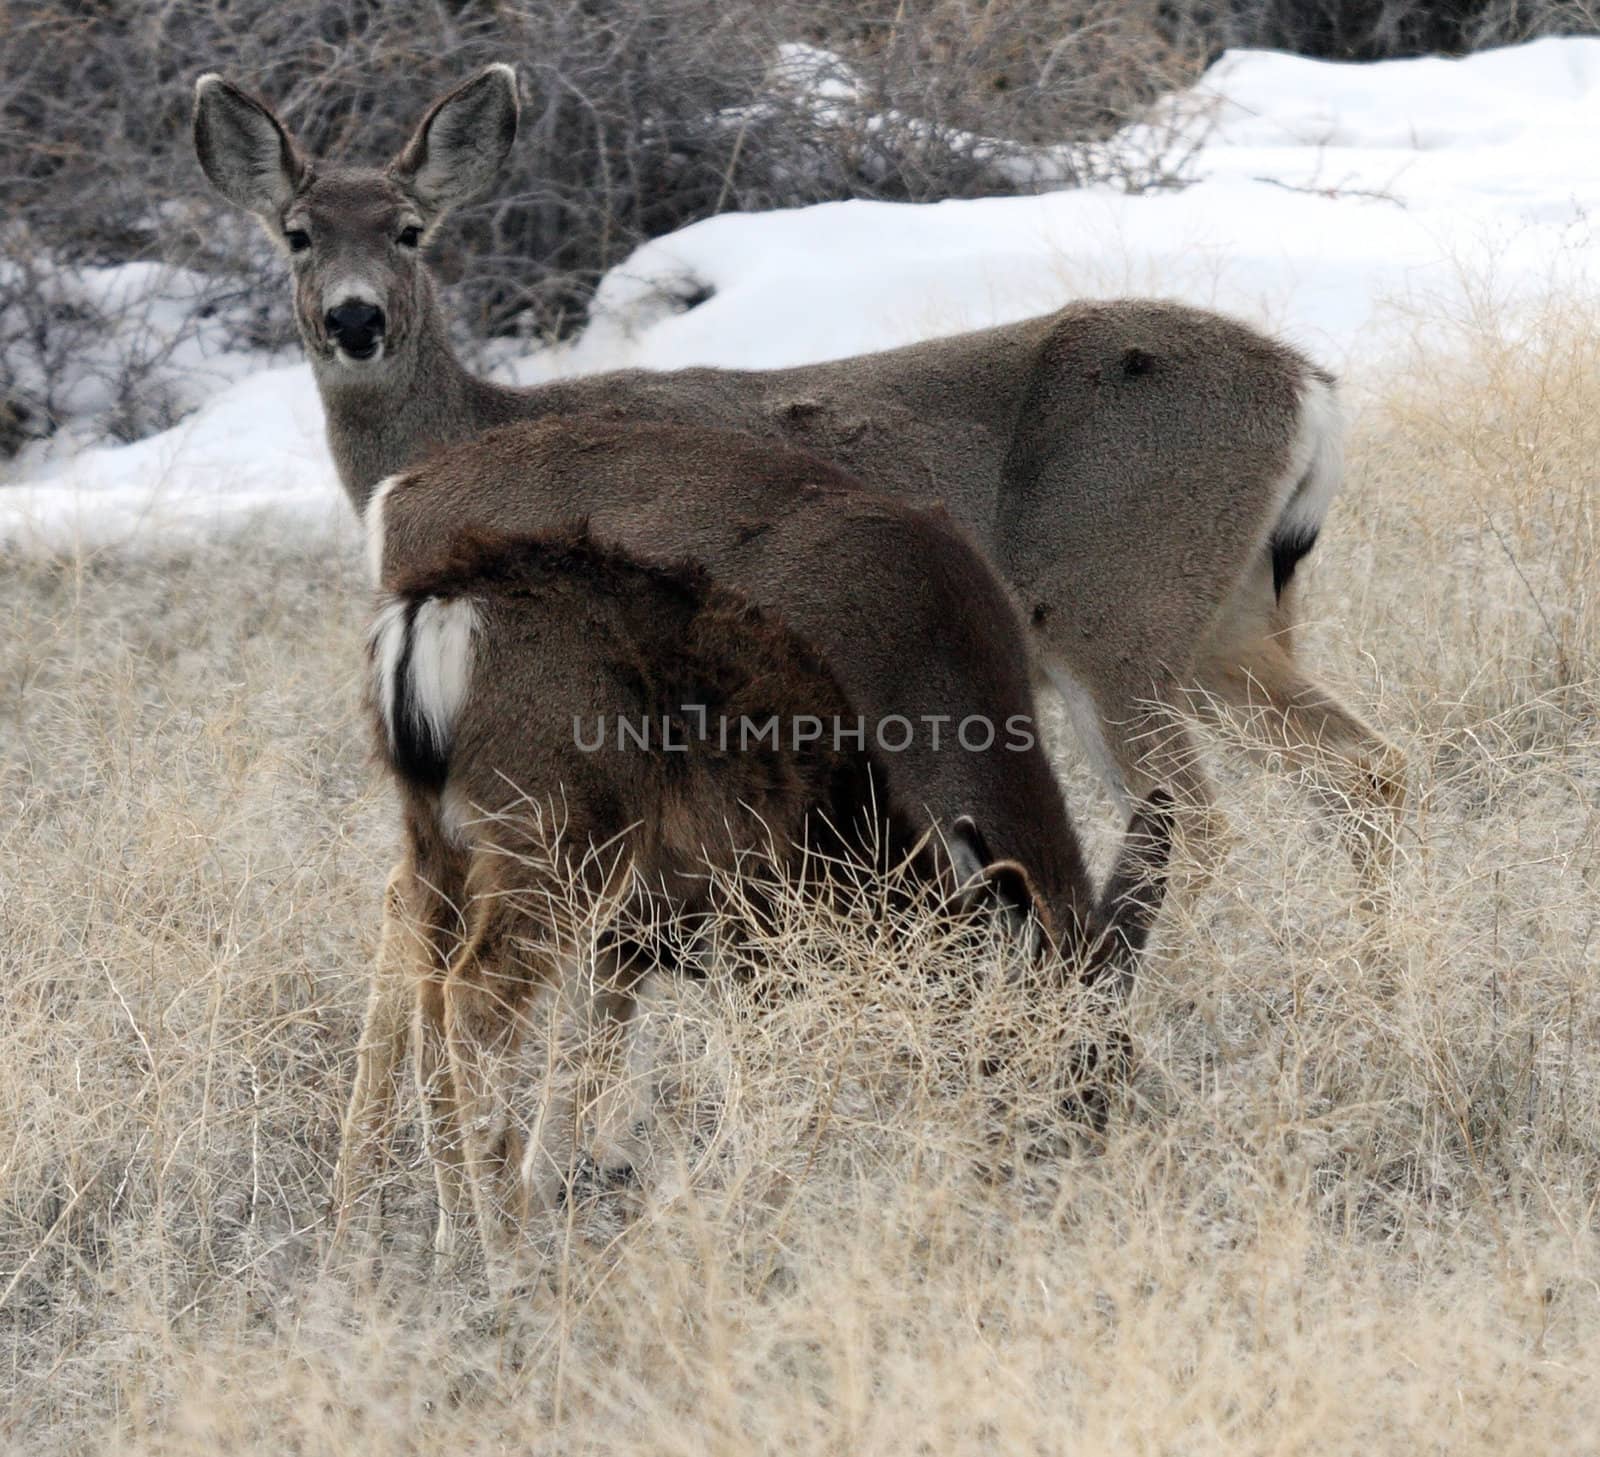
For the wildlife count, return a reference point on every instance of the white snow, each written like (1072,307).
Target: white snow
(1335,204)
(255,449)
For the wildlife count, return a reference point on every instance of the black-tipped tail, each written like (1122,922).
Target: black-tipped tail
(1289,545)
(416,747)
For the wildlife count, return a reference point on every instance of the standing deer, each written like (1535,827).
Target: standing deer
(1146,476)
(481,667)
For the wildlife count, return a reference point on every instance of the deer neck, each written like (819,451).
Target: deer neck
(418,399)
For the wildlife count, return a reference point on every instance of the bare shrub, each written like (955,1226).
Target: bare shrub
(115,352)
(1038,71)
(640,116)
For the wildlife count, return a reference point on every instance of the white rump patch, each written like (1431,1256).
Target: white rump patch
(1316,464)
(373,521)
(441,663)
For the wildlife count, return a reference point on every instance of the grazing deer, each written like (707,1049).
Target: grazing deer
(482,668)
(1146,476)
(894,598)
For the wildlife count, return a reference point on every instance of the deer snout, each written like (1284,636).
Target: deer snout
(356,328)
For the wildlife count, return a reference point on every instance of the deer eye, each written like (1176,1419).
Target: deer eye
(299,240)
(410,237)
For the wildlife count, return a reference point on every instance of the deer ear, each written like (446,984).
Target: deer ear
(968,853)
(1000,888)
(459,147)
(244,149)
(1006,890)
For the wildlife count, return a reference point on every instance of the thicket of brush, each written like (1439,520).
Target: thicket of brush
(642,115)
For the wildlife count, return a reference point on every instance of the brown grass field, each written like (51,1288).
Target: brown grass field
(1349,1203)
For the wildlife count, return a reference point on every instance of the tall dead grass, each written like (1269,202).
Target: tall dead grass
(1349,1203)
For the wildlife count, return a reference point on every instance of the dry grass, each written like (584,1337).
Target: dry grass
(1349,1205)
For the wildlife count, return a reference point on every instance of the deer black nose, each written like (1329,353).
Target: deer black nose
(355,327)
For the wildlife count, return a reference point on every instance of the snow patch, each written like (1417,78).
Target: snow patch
(1336,205)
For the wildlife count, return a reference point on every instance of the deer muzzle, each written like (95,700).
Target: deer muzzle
(356,328)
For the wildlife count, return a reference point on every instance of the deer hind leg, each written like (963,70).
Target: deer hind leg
(507,963)
(589,1111)
(442,1116)
(414,925)
(1352,771)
